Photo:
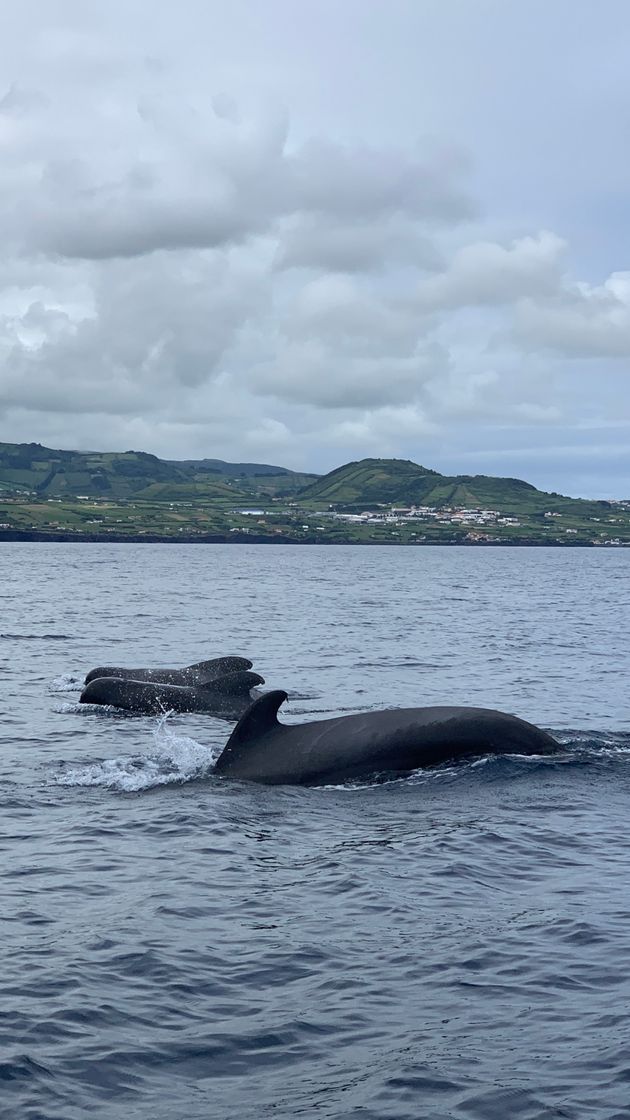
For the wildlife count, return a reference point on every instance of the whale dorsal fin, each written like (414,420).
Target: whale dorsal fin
(220,665)
(232,684)
(257,721)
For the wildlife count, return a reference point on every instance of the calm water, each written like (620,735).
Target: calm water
(453,945)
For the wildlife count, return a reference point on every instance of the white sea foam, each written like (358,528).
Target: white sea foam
(73,707)
(66,682)
(175,759)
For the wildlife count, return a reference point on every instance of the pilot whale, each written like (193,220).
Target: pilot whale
(195,674)
(229,695)
(393,741)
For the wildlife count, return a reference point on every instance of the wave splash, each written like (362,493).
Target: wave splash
(175,759)
(66,682)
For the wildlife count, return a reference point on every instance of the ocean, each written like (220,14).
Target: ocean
(454,945)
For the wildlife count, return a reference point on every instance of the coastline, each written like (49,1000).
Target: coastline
(35,537)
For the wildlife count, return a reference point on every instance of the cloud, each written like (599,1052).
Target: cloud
(103,169)
(355,245)
(382,430)
(486,273)
(346,314)
(310,373)
(580,320)
(350,182)
(161,191)
(341,343)
(152,333)
(141,166)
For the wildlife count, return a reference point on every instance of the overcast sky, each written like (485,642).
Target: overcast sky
(309,231)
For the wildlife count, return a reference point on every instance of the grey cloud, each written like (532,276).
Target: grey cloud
(178,192)
(341,343)
(346,315)
(351,182)
(581,321)
(383,430)
(509,392)
(312,373)
(106,226)
(355,245)
(152,334)
(111,182)
(489,273)
(145,167)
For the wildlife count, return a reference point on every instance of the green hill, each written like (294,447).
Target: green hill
(371,482)
(30,468)
(40,473)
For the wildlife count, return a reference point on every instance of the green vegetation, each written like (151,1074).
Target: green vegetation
(33,469)
(398,482)
(49,494)
(370,482)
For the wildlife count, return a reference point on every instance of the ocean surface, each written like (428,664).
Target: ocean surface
(455,944)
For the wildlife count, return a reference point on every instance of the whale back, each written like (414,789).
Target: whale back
(230,693)
(200,673)
(231,684)
(391,740)
(218,667)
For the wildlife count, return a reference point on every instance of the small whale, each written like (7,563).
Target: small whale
(229,695)
(393,741)
(196,674)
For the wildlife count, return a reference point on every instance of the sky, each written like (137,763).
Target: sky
(304,232)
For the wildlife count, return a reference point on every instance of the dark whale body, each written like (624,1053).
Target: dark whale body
(195,674)
(229,696)
(394,741)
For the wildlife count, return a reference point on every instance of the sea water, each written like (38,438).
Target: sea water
(455,944)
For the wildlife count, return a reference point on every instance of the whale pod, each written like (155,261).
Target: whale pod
(393,741)
(198,673)
(228,695)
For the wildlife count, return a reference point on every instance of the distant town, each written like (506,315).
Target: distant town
(473,519)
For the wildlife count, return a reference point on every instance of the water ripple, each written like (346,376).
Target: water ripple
(450,946)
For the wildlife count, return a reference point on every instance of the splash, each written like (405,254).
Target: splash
(66,682)
(100,711)
(176,759)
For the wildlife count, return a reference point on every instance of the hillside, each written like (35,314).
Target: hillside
(30,468)
(399,482)
(75,495)
(370,482)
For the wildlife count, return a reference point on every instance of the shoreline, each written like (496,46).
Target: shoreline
(35,537)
